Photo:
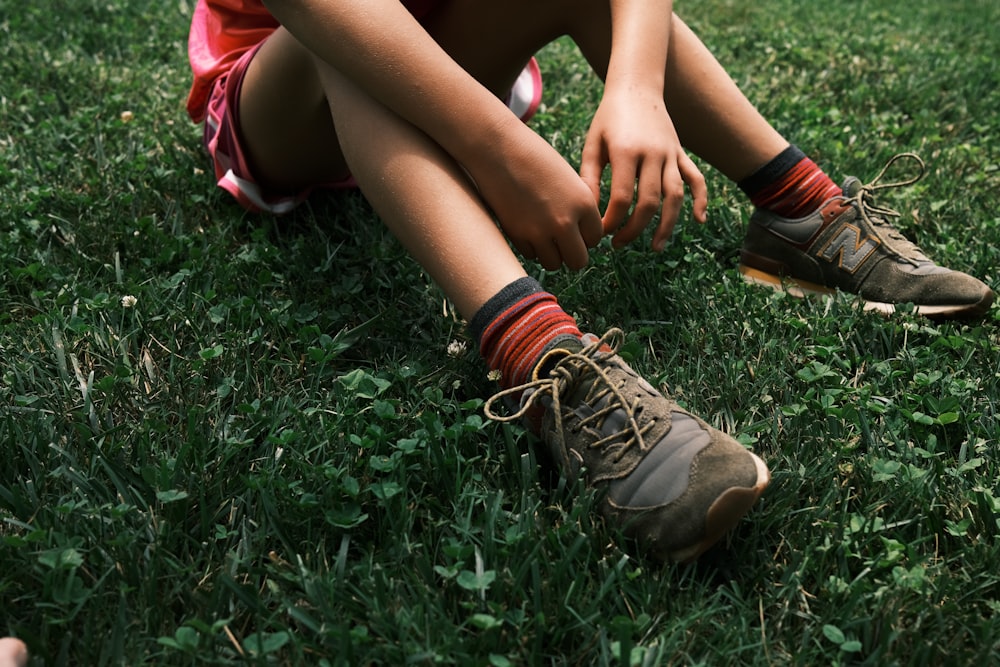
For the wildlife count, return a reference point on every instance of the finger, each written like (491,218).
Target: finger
(673,199)
(549,256)
(647,202)
(526,249)
(664,231)
(623,175)
(696,184)
(573,251)
(591,227)
(592,163)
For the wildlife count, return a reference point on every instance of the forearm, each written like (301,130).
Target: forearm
(388,54)
(639,44)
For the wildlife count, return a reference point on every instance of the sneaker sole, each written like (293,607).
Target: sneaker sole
(803,288)
(726,512)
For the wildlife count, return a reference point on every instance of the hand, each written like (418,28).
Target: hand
(542,204)
(634,135)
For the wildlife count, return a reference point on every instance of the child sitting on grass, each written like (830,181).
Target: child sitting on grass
(421,105)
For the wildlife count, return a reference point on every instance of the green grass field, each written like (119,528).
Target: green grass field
(267,454)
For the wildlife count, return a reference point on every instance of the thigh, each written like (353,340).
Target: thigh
(493,40)
(284,117)
(284,120)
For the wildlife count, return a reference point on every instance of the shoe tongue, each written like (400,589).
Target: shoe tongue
(554,350)
(852,186)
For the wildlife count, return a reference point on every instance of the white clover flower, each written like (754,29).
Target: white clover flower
(494,375)
(456,348)
(128,301)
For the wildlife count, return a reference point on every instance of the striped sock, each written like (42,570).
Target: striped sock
(514,327)
(791,185)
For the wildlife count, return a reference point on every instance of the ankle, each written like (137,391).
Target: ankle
(516,327)
(791,185)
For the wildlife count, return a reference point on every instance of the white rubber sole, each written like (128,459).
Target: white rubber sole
(803,288)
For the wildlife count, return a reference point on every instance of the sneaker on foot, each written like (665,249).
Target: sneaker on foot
(672,482)
(849,244)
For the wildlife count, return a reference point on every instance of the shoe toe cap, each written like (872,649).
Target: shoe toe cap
(684,498)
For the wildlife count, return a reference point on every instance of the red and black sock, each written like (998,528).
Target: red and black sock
(791,185)
(514,327)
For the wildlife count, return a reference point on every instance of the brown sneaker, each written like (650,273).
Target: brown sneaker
(672,482)
(849,244)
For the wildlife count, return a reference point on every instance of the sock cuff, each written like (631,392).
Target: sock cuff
(772,171)
(501,301)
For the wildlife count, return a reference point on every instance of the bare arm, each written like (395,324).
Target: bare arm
(632,130)
(540,201)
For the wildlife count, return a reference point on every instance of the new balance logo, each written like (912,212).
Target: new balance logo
(849,248)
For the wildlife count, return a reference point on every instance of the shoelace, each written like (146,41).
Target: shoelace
(880,216)
(563,378)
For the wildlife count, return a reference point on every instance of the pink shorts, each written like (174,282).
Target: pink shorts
(224,145)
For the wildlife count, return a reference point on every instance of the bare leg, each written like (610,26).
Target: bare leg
(284,114)
(424,197)
(712,115)
(420,193)
(291,103)
(292,140)
(285,119)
